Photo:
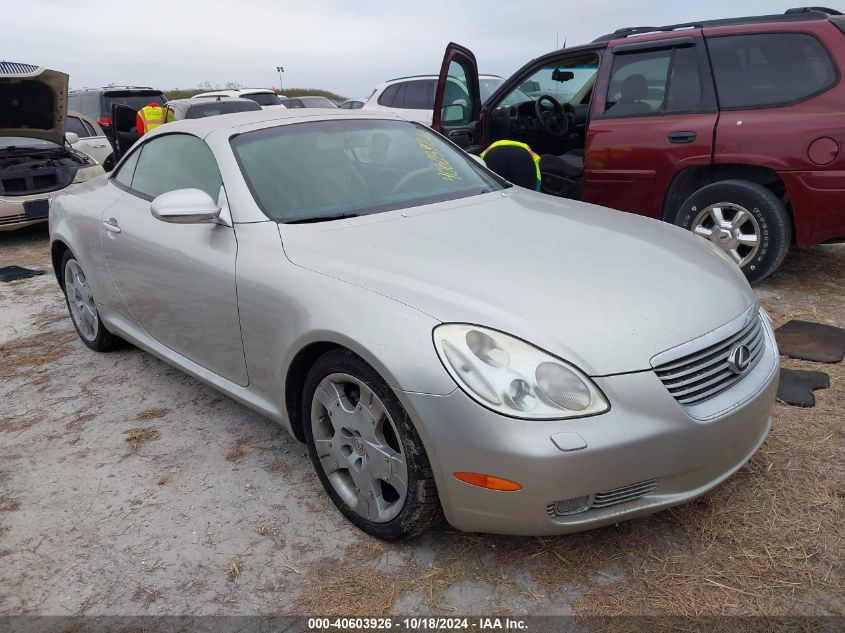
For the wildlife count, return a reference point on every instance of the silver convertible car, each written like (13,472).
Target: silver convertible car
(444,342)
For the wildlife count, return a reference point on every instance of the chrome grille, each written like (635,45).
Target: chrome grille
(706,373)
(600,500)
(624,493)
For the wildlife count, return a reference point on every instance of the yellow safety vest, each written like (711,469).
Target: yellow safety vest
(151,116)
(535,157)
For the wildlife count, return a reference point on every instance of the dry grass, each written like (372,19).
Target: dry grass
(23,356)
(137,437)
(279,467)
(151,414)
(261,529)
(162,480)
(233,568)
(237,452)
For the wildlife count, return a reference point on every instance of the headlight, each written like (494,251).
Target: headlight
(85,174)
(514,378)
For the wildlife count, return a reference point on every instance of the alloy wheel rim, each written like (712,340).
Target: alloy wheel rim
(731,227)
(83,311)
(359,449)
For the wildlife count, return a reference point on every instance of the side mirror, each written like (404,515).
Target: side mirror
(454,114)
(71,137)
(184,206)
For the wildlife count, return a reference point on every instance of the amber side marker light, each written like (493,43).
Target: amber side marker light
(488,481)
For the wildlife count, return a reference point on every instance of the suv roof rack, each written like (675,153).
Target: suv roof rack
(790,15)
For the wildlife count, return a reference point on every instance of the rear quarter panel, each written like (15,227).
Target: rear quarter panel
(75,217)
(780,137)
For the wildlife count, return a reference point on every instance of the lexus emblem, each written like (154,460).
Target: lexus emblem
(739,359)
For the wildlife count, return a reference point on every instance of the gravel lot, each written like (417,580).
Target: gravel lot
(127,487)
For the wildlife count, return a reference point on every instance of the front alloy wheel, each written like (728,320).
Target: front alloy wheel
(358,446)
(365,449)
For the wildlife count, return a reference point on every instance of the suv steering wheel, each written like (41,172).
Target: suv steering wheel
(554,122)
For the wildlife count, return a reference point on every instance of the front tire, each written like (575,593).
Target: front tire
(367,453)
(82,309)
(744,219)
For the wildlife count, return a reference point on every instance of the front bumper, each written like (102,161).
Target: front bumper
(646,442)
(16,212)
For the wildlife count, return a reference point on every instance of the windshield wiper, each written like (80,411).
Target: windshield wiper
(323,218)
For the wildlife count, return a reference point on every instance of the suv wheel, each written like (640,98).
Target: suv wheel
(367,453)
(745,220)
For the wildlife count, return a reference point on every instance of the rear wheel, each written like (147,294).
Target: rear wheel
(83,310)
(745,220)
(366,451)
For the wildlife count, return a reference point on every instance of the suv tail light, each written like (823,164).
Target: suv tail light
(104,121)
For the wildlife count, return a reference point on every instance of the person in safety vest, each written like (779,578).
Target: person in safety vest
(149,117)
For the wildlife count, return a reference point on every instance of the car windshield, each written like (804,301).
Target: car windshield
(488,85)
(325,169)
(213,108)
(562,81)
(317,102)
(263,98)
(135,100)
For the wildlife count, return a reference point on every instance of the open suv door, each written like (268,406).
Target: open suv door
(457,102)
(123,131)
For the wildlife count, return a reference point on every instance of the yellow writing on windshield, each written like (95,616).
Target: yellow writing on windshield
(443,166)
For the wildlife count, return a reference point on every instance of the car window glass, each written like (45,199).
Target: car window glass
(399,97)
(90,128)
(74,124)
(73,103)
(90,104)
(419,95)
(684,92)
(126,171)
(365,166)
(176,161)
(638,83)
(769,69)
(457,104)
(386,97)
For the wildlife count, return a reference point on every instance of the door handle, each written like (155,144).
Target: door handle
(111,226)
(682,137)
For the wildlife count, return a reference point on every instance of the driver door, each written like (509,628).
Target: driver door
(457,101)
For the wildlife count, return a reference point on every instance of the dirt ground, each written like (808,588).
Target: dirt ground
(127,487)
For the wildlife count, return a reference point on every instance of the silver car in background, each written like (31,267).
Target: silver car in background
(443,342)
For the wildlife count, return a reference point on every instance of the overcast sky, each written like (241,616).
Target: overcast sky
(344,46)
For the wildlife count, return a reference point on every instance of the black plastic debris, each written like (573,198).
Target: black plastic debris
(811,341)
(797,386)
(13,273)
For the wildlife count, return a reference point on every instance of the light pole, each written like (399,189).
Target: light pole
(280,70)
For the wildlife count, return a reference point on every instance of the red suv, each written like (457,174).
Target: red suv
(730,128)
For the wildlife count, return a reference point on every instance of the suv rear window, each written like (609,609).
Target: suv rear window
(769,69)
(263,98)
(136,99)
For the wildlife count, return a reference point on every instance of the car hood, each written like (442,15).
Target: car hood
(604,289)
(33,102)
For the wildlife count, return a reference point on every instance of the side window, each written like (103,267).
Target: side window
(89,104)
(176,161)
(73,103)
(457,108)
(769,69)
(89,128)
(126,171)
(638,83)
(74,124)
(419,95)
(684,92)
(386,97)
